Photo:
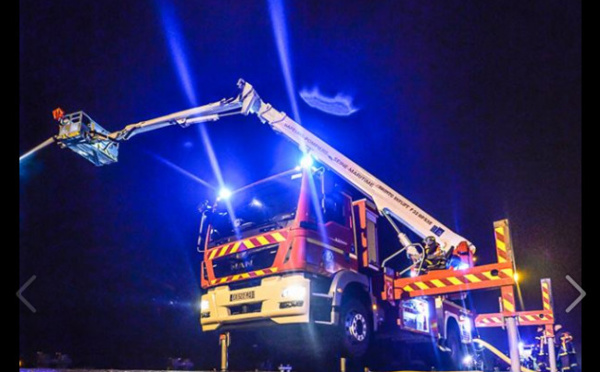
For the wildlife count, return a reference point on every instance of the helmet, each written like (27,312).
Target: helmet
(566,335)
(430,240)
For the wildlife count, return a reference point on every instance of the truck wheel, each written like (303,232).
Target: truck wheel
(356,329)
(458,352)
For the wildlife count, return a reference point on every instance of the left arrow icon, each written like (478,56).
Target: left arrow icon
(20,294)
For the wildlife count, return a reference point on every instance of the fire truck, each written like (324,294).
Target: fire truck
(304,246)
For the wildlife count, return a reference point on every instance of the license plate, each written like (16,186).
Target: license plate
(241,296)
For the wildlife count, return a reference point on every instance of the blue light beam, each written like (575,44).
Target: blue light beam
(176,45)
(181,171)
(280,33)
(177,48)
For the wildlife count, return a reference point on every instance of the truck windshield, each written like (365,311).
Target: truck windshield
(265,205)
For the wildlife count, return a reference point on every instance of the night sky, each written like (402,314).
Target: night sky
(471,109)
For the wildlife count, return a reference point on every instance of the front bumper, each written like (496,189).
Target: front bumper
(267,303)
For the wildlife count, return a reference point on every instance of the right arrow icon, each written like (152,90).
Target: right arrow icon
(581,294)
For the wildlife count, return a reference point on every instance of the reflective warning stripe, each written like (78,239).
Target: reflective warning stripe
(223,250)
(525,318)
(262,240)
(422,285)
(235,247)
(508,299)
(474,279)
(530,318)
(249,243)
(484,276)
(454,281)
(438,283)
(251,274)
(212,254)
(279,237)
(501,249)
(546,299)
(508,306)
(489,320)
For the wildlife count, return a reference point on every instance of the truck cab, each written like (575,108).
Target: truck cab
(273,244)
(301,247)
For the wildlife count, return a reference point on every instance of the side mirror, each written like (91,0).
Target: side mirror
(206,210)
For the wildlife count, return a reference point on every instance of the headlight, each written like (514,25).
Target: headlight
(294,292)
(467,360)
(204,306)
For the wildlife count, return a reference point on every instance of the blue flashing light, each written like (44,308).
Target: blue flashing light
(224,193)
(307,161)
(463,266)
(467,360)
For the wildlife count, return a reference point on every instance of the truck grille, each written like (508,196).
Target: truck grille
(245,261)
(243,284)
(245,309)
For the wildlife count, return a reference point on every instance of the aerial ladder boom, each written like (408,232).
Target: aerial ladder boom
(388,201)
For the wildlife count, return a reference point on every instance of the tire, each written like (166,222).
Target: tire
(356,328)
(457,348)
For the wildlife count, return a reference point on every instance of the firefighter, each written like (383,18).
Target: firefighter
(435,258)
(540,353)
(567,354)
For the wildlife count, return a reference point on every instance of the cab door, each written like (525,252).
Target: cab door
(365,234)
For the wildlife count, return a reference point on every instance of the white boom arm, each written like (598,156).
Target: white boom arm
(387,200)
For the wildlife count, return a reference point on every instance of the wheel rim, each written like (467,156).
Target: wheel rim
(356,326)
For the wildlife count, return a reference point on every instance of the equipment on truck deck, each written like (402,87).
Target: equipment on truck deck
(498,353)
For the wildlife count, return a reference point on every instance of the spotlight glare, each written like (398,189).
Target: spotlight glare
(306,162)
(463,266)
(224,193)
